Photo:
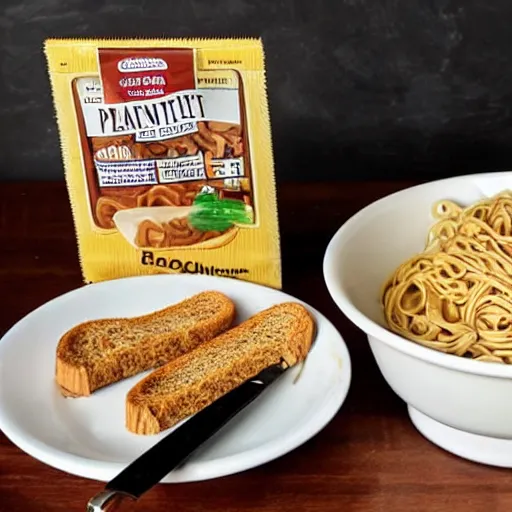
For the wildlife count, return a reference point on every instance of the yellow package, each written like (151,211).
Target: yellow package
(168,157)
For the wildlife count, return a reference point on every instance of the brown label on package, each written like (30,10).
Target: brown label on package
(134,75)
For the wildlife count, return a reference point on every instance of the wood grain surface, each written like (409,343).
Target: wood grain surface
(369,458)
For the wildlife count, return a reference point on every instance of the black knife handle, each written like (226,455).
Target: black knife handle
(173,450)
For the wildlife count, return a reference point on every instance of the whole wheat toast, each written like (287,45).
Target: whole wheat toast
(195,380)
(97,353)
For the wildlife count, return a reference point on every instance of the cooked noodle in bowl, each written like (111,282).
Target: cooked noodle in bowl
(167,227)
(426,274)
(456,296)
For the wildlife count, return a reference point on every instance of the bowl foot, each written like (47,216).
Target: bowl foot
(474,447)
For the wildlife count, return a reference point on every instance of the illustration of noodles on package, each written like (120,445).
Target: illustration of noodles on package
(167,151)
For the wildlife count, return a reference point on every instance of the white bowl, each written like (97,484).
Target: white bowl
(462,405)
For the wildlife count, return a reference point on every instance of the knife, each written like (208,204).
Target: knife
(153,465)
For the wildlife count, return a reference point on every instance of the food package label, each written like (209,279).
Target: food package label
(168,157)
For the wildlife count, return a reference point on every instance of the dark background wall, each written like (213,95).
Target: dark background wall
(357,88)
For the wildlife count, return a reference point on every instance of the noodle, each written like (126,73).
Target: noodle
(456,296)
(176,233)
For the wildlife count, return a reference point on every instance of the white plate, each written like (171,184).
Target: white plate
(87,436)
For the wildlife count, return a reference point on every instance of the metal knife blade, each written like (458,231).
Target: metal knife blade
(176,447)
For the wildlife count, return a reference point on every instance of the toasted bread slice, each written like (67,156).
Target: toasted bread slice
(190,383)
(100,352)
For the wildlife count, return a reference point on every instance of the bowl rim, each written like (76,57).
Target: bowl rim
(377,331)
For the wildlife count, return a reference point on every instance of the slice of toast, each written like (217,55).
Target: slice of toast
(97,353)
(190,383)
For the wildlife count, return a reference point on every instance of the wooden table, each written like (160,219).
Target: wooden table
(369,458)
